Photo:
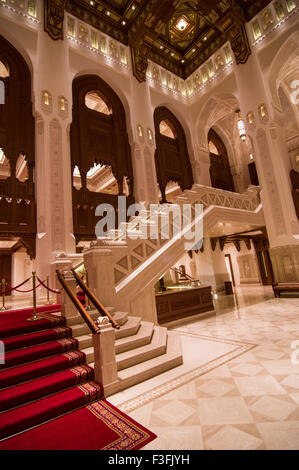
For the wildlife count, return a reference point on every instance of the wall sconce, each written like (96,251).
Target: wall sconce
(150,135)
(251,156)
(62,107)
(140,130)
(46,101)
(263,112)
(250,118)
(241,126)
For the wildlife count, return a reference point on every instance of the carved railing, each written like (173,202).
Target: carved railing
(133,253)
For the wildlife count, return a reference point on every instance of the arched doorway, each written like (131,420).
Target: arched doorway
(17,145)
(220,172)
(100,152)
(172,158)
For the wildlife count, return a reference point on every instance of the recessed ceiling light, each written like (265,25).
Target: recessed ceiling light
(172,54)
(133,7)
(91,3)
(193,50)
(108,13)
(161,47)
(205,38)
(123,22)
(181,24)
(183,61)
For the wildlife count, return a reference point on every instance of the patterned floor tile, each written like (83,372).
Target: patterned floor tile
(231,438)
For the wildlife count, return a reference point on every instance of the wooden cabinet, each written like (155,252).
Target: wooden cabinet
(182,303)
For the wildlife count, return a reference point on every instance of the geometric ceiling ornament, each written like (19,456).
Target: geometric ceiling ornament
(178,35)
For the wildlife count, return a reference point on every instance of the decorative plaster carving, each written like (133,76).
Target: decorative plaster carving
(53,18)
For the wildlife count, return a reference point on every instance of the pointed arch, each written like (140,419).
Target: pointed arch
(17,137)
(172,157)
(220,172)
(98,136)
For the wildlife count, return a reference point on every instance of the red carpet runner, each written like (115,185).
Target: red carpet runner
(48,399)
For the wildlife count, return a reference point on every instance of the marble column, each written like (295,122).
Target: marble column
(53,105)
(265,124)
(143,147)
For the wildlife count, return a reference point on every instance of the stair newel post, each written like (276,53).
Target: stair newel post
(105,366)
(3,295)
(68,309)
(34,317)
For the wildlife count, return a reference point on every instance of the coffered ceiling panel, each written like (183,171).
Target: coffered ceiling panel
(177,34)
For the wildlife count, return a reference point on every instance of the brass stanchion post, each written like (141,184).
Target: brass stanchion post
(3,295)
(48,293)
(34,316)
(88,301)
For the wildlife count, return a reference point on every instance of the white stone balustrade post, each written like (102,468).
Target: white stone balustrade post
(98,261)
(105,366)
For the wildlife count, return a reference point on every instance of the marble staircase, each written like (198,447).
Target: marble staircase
(143,350)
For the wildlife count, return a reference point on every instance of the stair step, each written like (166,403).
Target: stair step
(77,319)
(120,317)
(150,368)
(23,373)
(13,422)
(129,328)
(32,353)
(155,348)
(18,395)
(141,338)
(31,339)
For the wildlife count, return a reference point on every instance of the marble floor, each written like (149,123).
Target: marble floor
(250,401)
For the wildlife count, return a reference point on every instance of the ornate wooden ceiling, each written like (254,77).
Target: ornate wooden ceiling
(177,34)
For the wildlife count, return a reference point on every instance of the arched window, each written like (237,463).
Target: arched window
(212,148)
(4,72)
(94,101)
(172,157)
(4,166)
(220,172)
(17,144)
(100,149)
(22,169)
(100,179)
(167,130)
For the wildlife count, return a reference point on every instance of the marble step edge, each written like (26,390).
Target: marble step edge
(156,347)
(130,327)
(150,368)
(140,338)
(77,319)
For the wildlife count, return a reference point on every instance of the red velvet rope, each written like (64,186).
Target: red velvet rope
(14,288)
(48,288)
(27,291)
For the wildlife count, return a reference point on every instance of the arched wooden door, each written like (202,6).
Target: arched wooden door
(220,172)
(17,139)
(172,158)
(98,136)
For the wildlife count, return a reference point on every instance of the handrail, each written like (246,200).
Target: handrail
(84,314)
(78,265)
(94,300)
(179,272)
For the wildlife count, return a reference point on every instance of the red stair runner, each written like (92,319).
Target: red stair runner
(46,385)
(99,426)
